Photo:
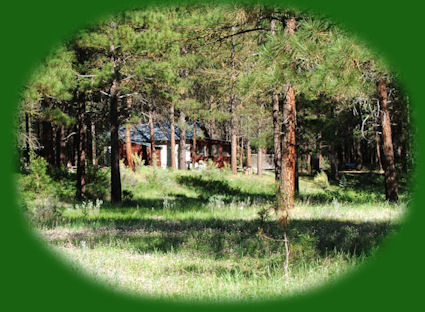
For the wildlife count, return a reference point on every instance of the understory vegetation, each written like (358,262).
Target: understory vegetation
(211,235)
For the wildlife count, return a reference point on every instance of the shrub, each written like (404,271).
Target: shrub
(343,181)
(97,186)
(127,196)
(37,183)
(89,207)
(211,165)
(138,161)
(263,214)
(325,164)
(64,183)
(321,180)
(128,177)
(46,213)
(216,201)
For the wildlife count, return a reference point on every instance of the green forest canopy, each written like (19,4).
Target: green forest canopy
(221,65)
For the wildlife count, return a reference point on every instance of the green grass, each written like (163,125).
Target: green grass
(195,235)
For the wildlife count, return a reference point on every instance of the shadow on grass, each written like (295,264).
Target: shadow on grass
(207,190)
(347,196)
(361,188)
(179,202)
(228,238)
(213,187)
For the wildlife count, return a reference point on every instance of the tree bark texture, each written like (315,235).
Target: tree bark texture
(378,151)
(116,196)
(248,154)
(287,182)
(116,192)
(297,176)
(333,159)
(234,143)
(128,145)
(27,138)
(194,145)
(60,146)
(260,161)
(81,154)
(286,191)
(391,188)
(182,142)
(241,153)
(152,133)
(47,140)
(172,138)
(276,123)
(93,143)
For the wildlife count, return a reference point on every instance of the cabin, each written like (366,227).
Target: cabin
(207,148)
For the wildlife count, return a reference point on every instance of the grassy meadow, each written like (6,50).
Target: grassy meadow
(210,235)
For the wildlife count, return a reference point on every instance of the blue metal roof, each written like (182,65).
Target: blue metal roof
(140,134)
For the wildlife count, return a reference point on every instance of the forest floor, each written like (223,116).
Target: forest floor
(197,235)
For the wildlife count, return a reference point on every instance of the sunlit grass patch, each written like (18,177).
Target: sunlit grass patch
(210,235)
(193,277)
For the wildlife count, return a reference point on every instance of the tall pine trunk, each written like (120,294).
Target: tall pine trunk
(391,188)
(248,155)
(128,147)
(60,146)
(116,196)
(333,155)
(260,161)
(81,154)
(172,138)
(27,138)
(47,138)
(334,164)
(48,143)
(276,124)
(378,151)
(286,191)
(234,143)
(297,175)
(287,181)
(152,134)
(93,142)
(241,153)
(194,145)
(182,142)
(116,191)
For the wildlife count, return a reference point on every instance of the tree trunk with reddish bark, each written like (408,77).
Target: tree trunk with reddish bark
(287,181)
(391,188)
(286,191)
(128,146)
